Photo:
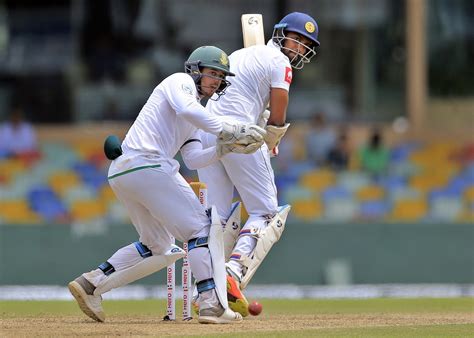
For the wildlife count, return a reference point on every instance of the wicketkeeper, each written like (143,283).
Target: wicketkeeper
(144,176)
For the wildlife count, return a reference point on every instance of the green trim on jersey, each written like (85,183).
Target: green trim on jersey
(134,169)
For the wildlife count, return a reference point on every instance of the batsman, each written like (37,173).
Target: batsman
(263,74)
(145,178)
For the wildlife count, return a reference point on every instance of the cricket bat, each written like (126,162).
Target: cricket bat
(252,29)
(253,34)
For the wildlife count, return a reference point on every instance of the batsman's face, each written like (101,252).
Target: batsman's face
(295,44)
(210,81)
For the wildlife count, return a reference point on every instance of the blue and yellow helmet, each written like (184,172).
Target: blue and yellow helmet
(300,23)
(304,25)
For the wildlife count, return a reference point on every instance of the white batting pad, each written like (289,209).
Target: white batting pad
(216,249)
(268,236)
(232,229)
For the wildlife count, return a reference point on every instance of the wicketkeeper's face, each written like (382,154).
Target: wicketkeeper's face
(210,81)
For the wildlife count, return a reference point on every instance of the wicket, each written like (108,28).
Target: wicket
(200,190)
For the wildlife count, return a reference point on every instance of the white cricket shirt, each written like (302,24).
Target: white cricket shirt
(169,118)
(257,69)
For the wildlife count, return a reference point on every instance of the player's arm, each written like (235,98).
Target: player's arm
(278,106)
(281,76)
(181,95)
(195,157)
(276,125)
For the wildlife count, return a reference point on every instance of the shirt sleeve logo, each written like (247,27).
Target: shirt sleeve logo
(288,75)
(187,88)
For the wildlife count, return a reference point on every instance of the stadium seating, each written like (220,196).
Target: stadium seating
(374,210)
(317,180)
(17,211)
(409,210)
(68,183)
(87,210)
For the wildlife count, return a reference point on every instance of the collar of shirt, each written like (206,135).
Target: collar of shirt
(272,44)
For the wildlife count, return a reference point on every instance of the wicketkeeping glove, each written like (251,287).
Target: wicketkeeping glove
(244,134)
(223,149)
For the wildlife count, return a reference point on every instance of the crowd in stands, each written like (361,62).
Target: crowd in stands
(328,180)
(17,136)
(332,179)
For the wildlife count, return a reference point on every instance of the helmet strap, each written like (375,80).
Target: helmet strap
(192,68)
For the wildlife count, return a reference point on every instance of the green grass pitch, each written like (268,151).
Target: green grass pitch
(280,318)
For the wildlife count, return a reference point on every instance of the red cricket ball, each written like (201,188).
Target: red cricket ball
(255,308)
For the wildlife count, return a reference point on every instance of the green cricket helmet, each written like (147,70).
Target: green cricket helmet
(208,57)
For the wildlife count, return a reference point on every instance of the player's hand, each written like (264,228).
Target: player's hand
(241,133)
(223,149)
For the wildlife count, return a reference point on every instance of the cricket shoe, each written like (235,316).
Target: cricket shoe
(83,292)
(219,316)
(235,297)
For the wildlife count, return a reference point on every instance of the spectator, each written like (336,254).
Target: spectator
(374,156)
(17,136)
(339,156)
(320,140)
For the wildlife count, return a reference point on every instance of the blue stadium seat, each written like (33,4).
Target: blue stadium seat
(392,182)
(44,201)
(95,180)
(374,209)
(401,152)
(458,184)
(37,193)
(90,175)
(84,168)
(51,210)
(335,192)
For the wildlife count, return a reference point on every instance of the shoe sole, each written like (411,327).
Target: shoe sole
(240,305)
(78,293)
(217,320)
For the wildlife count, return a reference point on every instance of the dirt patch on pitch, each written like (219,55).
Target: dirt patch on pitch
(150,326)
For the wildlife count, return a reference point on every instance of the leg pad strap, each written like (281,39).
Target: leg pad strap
(205,285)
(107,268)
(143,250)
(197,243)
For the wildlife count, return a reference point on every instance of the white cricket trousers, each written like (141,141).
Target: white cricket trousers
(160,204)
(253,177)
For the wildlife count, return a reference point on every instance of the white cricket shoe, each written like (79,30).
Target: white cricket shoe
(219,316)
(83,292)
